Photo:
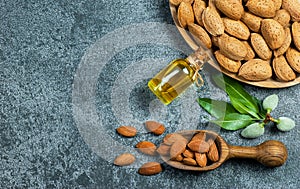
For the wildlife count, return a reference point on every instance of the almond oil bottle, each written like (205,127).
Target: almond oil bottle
(178,76)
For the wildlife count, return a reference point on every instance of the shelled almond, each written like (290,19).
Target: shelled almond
(200,150)
(240,31)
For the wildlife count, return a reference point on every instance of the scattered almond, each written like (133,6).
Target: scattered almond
(255,70)
(293,58)
(155,127)
(124,159)
(273,33)
(150,168)
(127,131)
(282,69)
(146,147)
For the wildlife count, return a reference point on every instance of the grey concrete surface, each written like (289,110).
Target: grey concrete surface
(54,131)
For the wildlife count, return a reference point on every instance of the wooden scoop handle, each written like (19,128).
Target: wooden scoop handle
(270,153)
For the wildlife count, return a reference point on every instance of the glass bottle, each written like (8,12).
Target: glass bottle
(178,76)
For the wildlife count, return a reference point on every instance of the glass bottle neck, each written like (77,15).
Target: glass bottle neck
(198,58)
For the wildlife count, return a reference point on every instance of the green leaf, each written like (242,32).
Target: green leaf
(241,100)
(216,108)
(234,121)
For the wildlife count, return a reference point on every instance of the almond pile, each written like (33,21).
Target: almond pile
(197,150)
(145,147)
(252,38)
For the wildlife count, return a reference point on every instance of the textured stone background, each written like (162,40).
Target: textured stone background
(41,46)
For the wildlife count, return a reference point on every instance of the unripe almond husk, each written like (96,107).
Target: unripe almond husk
(283,17)
(231,8)
(273,33)
(185,14)
(252,21)
(155,127)
(200,35)
(255,70)
(287,42)
(293,58)
(198,7)
(293,7)
(212,21)
(150,168)
(146,147)
(124,159)
(296,34)
(127,131)
(282,69)
(260,46)
(227,63)
(236,28)
(262,8)
(232,47)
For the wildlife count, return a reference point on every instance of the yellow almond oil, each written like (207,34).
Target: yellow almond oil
(172,81)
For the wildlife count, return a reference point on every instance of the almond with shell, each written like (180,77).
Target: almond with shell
(124,159)
(198,7)
(177,2)
(293,58)
(236,28)
(231,8)
(282,69)
(146,147)
(296,34)
(227,63)
(250,52)
(255,70)
(150,168)
(185,14)
(200,35)
(231,47)
(273,33)
(260,46)
(252,21)
(212,21)
(262,8)
(277,4)
(293,7)
(283,17)
(287,42)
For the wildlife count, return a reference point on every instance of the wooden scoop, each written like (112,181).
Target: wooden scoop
(270,153)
